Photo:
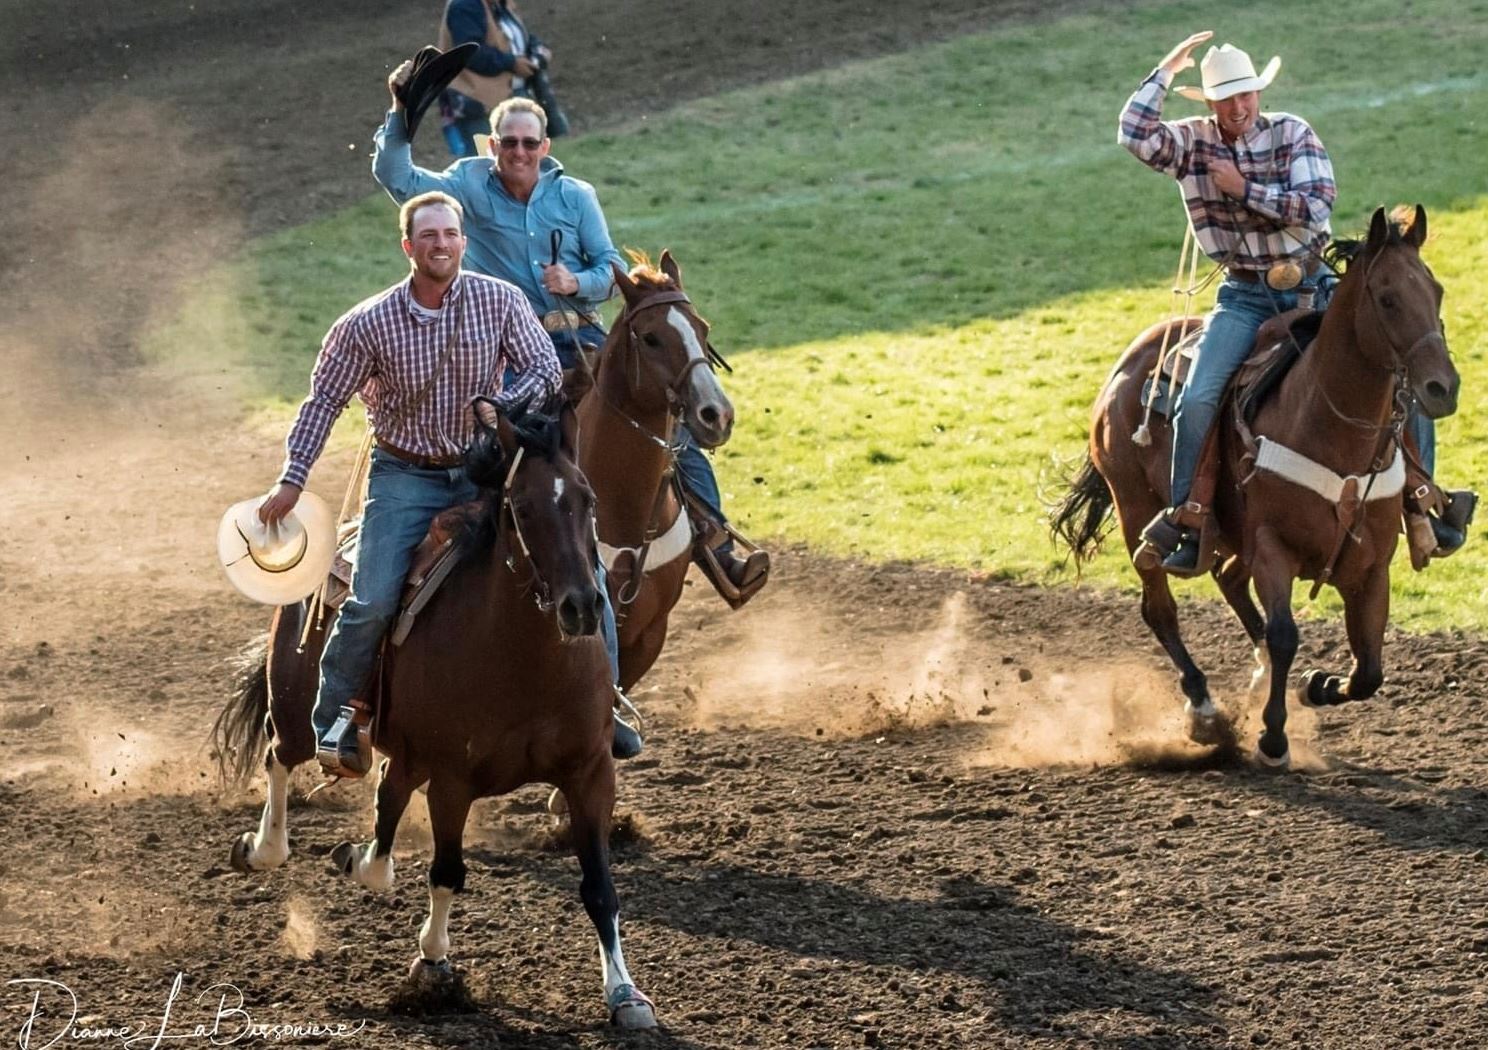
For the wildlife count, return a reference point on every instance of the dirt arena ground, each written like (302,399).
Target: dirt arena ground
(881,806)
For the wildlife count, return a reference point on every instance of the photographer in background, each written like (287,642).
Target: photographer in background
(511,61)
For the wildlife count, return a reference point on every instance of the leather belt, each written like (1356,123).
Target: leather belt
(1234,273)
(413,459)
(563,320)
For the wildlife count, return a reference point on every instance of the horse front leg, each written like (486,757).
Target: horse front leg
(1366,610)
(1233,578)
(449,805)
(372,864)
(591,803)
(1275,571)
(268,847)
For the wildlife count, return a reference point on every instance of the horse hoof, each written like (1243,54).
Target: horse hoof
(630,1009)
(1320,689)
(1204,725)
(343,858)
(1274,765)
(423,971)
(238,858)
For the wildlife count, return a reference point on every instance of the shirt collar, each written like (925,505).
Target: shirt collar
(451,295)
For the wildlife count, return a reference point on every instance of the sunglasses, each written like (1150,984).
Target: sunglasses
(512,142)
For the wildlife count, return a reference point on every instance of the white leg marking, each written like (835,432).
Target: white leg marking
(374,873)
(612,966)
(270,846)
(1261,676)
(434,937)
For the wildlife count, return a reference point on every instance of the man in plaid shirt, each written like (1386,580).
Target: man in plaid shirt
(417,353)
(1258,189)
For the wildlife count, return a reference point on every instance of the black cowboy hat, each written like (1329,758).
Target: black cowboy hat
(433,70)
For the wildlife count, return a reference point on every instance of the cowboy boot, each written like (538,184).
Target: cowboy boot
(1450,527)
(346,750)
(743,571)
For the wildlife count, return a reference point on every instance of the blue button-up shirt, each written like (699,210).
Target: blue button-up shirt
(506,237)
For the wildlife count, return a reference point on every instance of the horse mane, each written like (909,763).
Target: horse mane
(1344,251)
(486,463)
(645,273)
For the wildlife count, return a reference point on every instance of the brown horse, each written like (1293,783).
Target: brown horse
(502,681)
(655,372)
(1380,344)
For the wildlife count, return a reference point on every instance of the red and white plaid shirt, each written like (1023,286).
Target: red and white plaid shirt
(385,349)
(1289,188)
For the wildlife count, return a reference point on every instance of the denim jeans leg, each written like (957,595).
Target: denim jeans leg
(1229,334)
(401,501)
(607,629)
(697,476)
(1423,429)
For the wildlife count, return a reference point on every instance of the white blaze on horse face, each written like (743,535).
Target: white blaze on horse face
(434,937)
(557,490)
(704,384)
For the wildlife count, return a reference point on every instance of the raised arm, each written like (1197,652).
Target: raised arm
(1161,145)
(392,153)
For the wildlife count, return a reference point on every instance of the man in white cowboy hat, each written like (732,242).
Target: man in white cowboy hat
(1258,188)
(417,353)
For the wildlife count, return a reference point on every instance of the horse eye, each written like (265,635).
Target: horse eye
(1388,301)
(649,339)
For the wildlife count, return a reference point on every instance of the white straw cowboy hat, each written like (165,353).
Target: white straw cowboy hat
(1226,71)
(277,565)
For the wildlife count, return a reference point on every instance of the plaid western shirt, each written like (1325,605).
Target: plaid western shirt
(1289,188)
(385,349)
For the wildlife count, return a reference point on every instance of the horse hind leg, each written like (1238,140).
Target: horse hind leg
(1160,612)
(268,847)
(371,865)
(1233,578)
(591,806)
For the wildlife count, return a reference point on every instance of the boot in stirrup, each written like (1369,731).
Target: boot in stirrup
(627,742)
(346,749)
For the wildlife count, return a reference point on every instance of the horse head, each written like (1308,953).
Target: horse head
(665,352)
(540,504)
(1399,321)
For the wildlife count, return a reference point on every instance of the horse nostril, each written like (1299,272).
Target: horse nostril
(709,415)
(1437,391)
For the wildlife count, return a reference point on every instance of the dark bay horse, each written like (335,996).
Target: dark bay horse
(655,372)
(502,681)
(1341,406)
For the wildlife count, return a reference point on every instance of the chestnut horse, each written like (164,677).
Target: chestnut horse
(1342,406)
(502,681)
(655,372)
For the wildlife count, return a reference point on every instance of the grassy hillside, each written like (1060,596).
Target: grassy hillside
(923,266)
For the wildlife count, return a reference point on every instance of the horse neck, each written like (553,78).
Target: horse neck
(624,465)
(1334,379)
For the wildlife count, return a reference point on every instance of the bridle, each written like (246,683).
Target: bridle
(676,402)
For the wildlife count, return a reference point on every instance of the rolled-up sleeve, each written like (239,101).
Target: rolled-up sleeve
(342,367)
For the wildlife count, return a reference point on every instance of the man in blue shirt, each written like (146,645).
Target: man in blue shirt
(530,223)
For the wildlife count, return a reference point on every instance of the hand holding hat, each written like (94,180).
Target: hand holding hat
(281,555)
(415,84)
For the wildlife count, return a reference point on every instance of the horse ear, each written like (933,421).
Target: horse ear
(623,282)
(1416,235)
(1379,228)
(568,424)
(506,435)
(576,383)
(670,268)
(485,412)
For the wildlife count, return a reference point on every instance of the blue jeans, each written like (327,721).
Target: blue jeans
(1423,429)
(401,502)
(1229,335)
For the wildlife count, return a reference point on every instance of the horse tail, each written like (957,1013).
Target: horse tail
(1082,517)
(240,732)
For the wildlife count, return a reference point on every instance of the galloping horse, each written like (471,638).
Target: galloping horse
(1342,405)
(654,372)
(501,682)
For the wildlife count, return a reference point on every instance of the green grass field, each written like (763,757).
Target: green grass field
(923,266)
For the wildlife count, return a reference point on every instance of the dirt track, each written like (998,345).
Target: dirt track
(881,806)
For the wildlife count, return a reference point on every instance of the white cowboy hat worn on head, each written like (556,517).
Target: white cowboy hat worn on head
(1226,71)
(279,564)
